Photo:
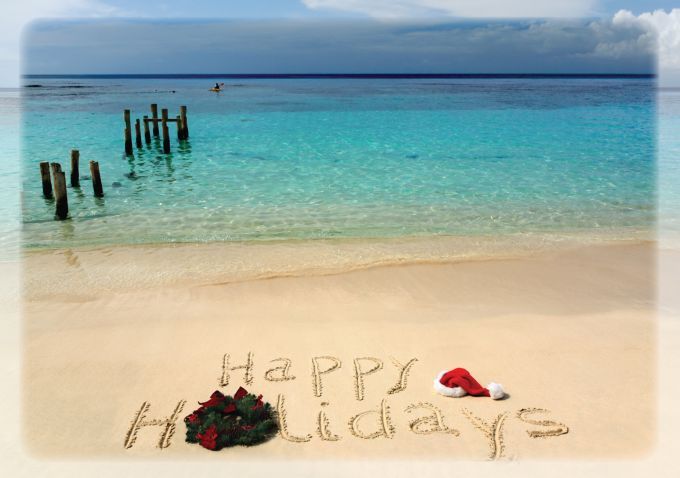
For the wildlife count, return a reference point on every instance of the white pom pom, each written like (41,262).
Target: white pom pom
(496,390)
(456,392)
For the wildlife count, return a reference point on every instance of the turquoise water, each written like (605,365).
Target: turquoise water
(333,158)
(10,171)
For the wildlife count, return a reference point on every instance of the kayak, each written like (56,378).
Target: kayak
(216,89)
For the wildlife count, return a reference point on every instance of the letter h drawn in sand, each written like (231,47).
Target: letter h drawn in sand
(248,367)
(169,425)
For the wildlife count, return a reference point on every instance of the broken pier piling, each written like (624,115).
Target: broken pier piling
(46,180)
(180,120)
(59,180)
(96,179)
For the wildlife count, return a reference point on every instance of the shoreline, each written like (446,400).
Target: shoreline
(97,269)
(575,235)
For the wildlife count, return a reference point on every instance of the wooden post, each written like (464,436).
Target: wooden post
(147,135)
(154,116)
(59,179)
(166,133)
(128,133)
(75,171)
(178,120)
(46,181)
(96,179)
(128,143)
(138,134)
(185,126)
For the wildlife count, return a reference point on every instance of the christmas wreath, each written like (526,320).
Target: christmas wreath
(224,421)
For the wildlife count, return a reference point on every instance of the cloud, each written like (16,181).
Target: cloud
(17,13)
(666,27)
(616,39)
(460,8)
(623,36)
(342,46)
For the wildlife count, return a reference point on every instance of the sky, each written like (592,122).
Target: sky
(339,46)
(609,19)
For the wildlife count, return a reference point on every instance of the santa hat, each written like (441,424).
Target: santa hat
(458,383)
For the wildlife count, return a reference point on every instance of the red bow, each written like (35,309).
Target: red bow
(209,438)
(240,393)
(258,404)
(215,399)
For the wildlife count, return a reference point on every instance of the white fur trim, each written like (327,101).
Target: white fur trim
(447,391)
(496,390)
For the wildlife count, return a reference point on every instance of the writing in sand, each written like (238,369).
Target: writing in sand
(375,422)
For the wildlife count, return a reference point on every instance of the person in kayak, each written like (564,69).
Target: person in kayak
(217,86)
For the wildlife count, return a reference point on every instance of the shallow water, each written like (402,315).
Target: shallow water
(307,159)
(10,171)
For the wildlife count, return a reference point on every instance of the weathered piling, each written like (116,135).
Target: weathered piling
(185,125)
(147,134)
(128,133)
(178,120)
(166,133)
(138,134)
(46,180)
(59,179)
(75,171)
(96,179)
(154,116)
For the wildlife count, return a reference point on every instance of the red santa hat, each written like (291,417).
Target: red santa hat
(458,383)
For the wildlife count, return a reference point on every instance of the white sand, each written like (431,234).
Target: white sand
(571,332)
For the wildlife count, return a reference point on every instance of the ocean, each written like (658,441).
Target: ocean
(291,159)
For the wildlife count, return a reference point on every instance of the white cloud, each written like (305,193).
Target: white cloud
(616,39)
(544,46)
(666,26)
(460,8)
(17,13)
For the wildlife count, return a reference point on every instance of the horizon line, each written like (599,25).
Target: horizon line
(332,75)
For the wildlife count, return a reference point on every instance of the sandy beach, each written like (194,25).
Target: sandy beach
(569,332)
(334,241)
